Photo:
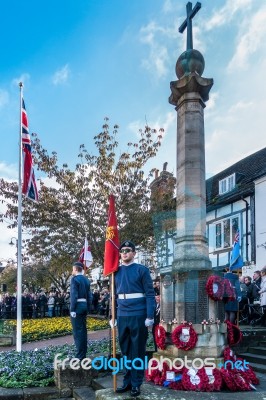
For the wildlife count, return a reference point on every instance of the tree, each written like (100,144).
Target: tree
(63,216)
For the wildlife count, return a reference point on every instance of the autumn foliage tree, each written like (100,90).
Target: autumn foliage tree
(76,202)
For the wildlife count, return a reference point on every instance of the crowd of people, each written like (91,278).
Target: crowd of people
(252,302)
(49,304)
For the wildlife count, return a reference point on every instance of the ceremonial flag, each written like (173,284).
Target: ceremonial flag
(85,256)
(29,188)
(236,260)
(111,253)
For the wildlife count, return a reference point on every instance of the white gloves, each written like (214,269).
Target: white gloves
(149,322)
(111,323)
(73,314)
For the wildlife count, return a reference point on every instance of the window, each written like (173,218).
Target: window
(227,184)
(225,231)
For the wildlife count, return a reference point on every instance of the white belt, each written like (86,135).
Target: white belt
(81,300)
(131,295)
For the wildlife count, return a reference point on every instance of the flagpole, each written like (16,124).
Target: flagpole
(19,246)
(113,328)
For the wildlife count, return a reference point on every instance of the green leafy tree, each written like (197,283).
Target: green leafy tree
(78,204)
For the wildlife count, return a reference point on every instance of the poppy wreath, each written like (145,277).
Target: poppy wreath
(234,335)
(215,280)
(180,344)
(228,379)
(215,383)
(176,384)
(160,335)
(250,376)
(196,383)
(229,292)
(155,375)
(241,381)
(229,355)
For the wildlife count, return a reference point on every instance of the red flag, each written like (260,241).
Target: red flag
(29,188)
(111,252)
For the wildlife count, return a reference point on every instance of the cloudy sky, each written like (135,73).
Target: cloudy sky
(82,60)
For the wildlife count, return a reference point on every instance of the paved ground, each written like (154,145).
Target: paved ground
(101,334)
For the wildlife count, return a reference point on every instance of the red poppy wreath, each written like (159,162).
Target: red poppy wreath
(214,380)
(196,381)
(229,292)
(160,335)
(184,337)
(215,287)
(234,335)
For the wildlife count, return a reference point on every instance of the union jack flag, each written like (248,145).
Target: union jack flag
(29,188)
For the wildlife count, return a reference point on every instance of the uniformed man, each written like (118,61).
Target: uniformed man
(135,311)
(80,301)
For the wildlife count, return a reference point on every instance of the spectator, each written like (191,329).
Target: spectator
(262,293)
(51,304)
(95,300)
(256,284)
(156,318)
(251,292)
(156,287)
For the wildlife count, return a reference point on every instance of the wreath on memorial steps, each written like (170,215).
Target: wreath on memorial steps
(184,342)
(160,336)
(197,381)
(215,381)
(215,287)
(234,335)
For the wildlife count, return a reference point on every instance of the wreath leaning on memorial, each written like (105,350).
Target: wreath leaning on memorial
(215,287)
(184,340)
(234,335)
(160,336)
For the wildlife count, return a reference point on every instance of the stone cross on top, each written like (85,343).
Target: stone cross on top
(188,23)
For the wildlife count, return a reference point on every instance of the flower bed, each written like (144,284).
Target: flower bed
(35,367)
(46,328)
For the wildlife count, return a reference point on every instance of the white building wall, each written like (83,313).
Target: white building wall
(237,208)
(260,220)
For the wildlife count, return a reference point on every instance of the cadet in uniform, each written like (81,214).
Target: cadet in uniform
(80,301)
(135,311)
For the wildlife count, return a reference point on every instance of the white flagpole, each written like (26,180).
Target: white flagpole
(19,241)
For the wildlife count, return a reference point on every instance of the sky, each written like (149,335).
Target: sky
(83,60)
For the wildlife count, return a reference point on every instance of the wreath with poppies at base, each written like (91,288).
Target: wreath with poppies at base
(160,336)
(215,381)
(182,342)
(234,335)
(195,382)
(215,287)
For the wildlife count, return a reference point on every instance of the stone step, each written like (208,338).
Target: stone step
(254,358)
(257,350)
(259,367)
(105,381)
(33,393)
(84,393)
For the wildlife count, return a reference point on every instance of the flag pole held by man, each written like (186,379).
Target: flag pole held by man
(111,261)
(133,286)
